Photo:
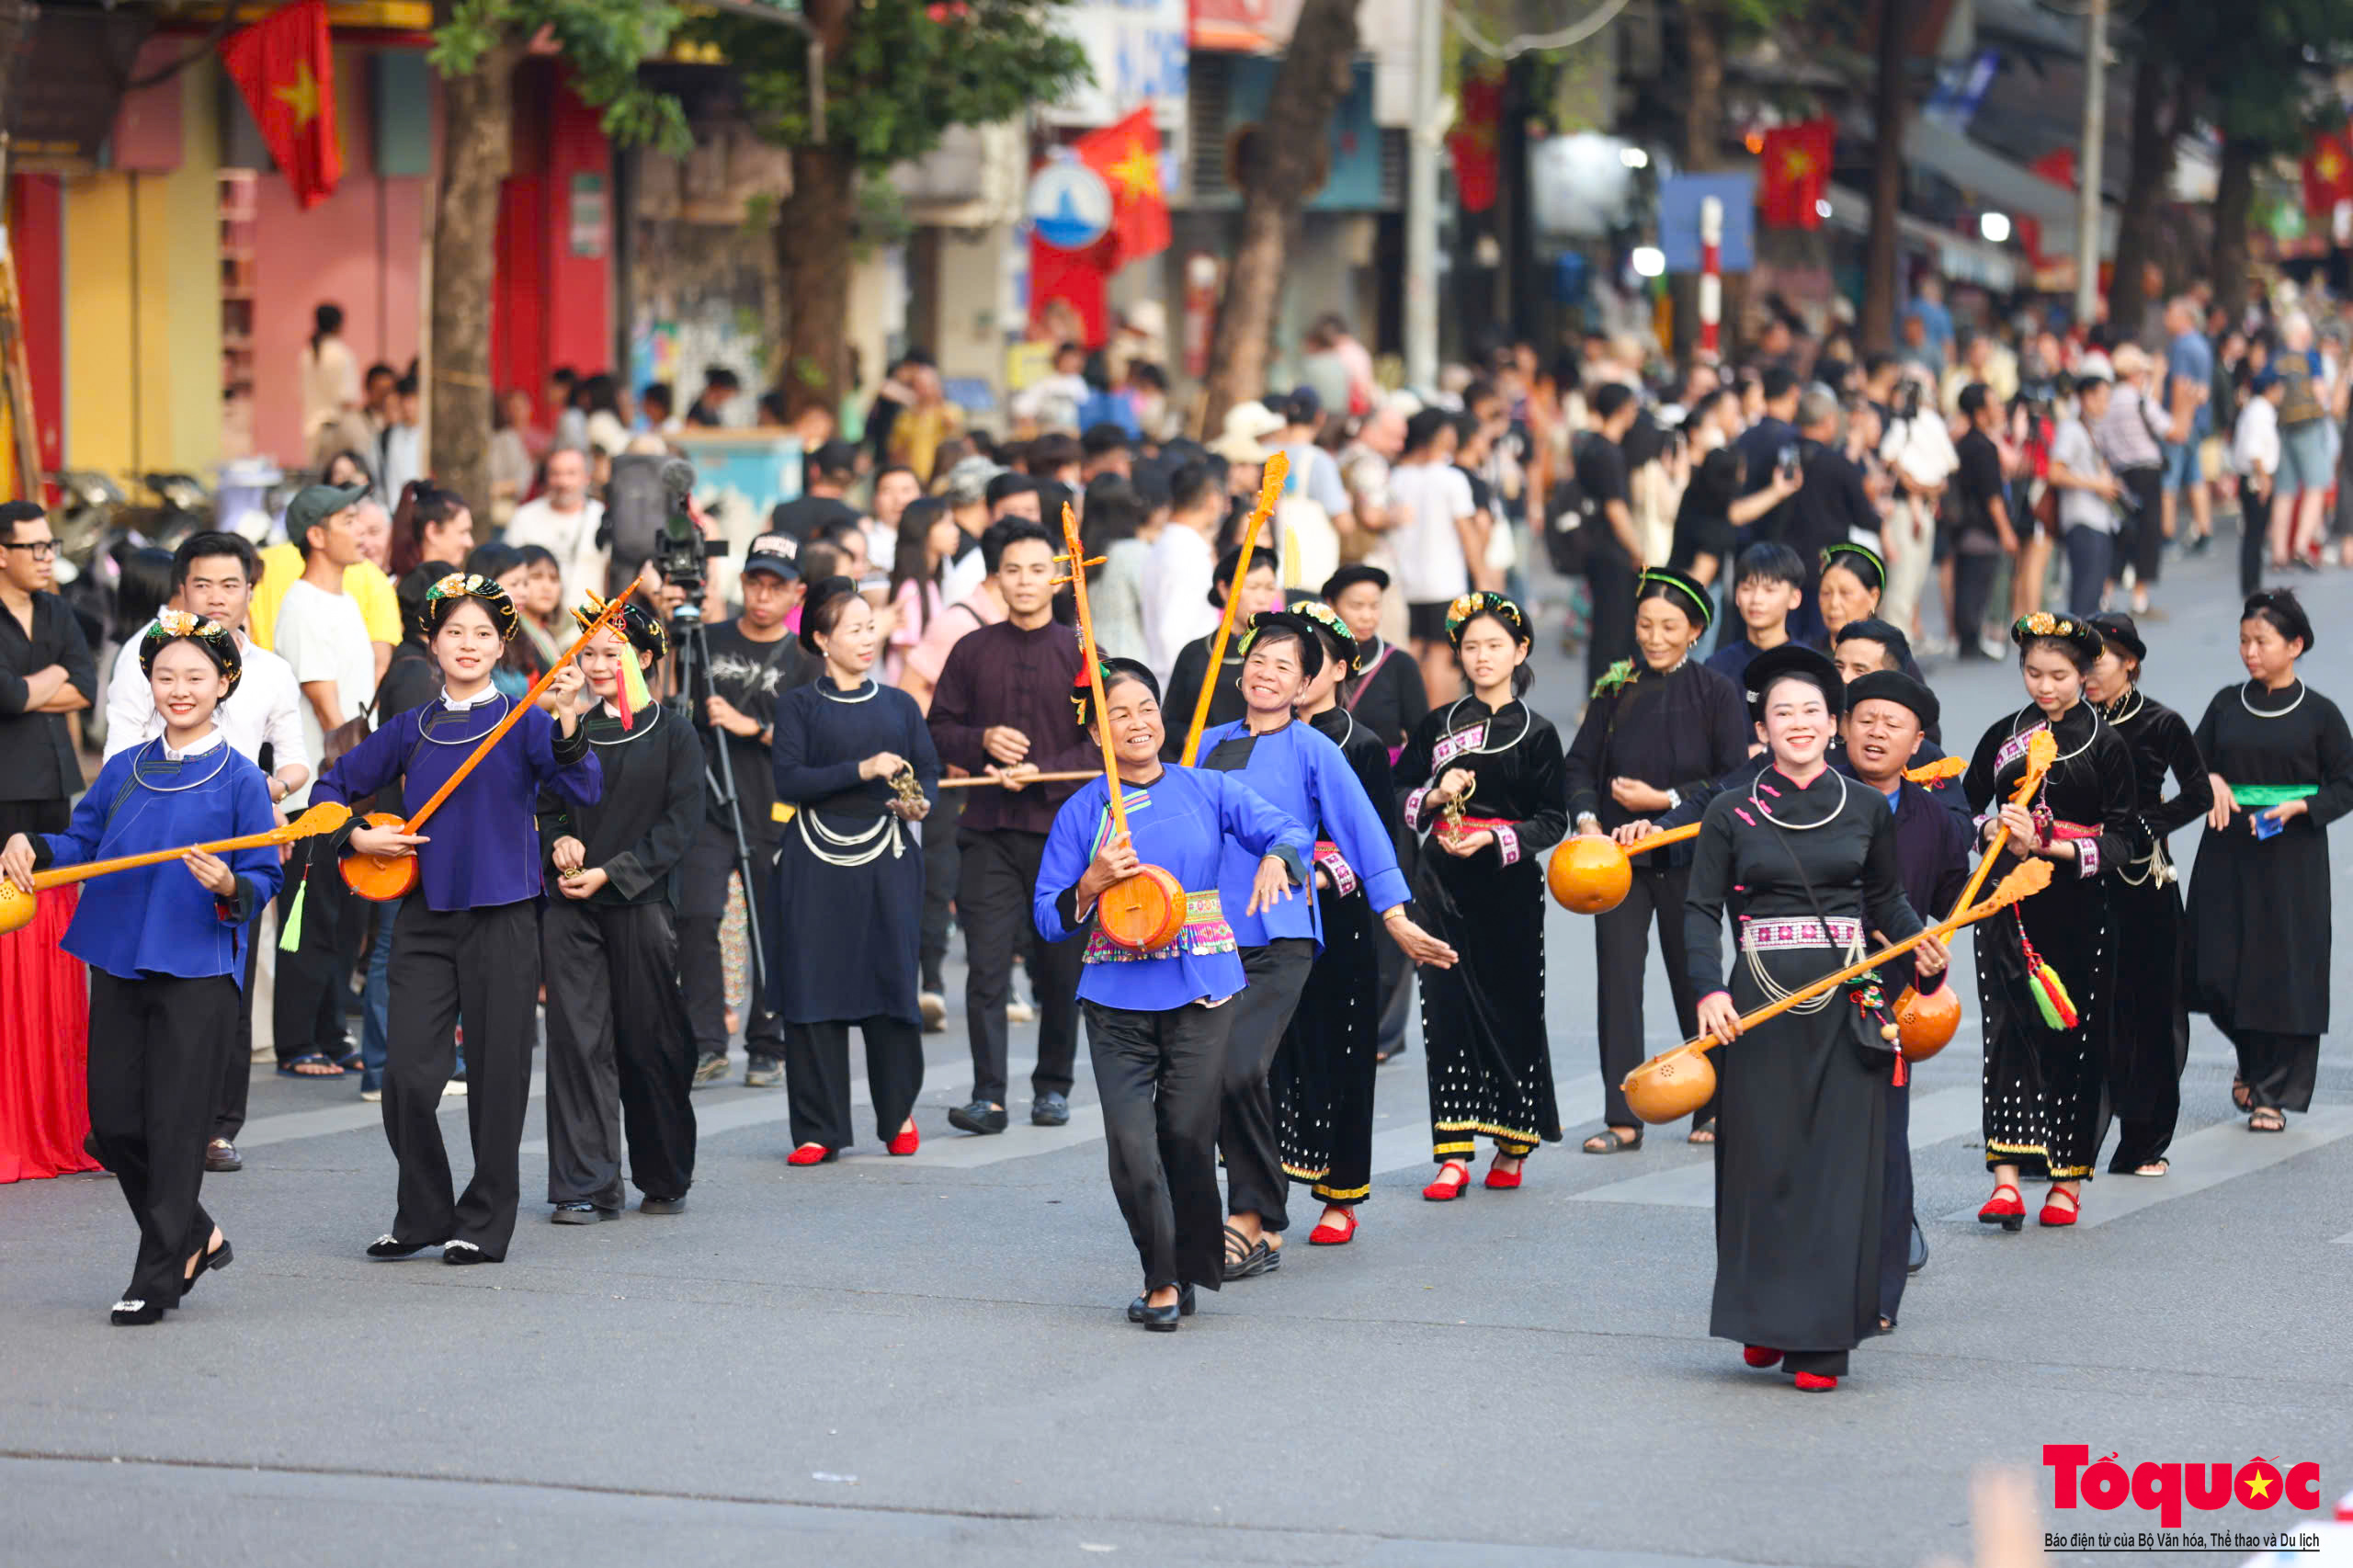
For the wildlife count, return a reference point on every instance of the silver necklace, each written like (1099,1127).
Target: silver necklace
(2282,713)
(219,763)
(628,735)
(827,689)
(1794,826)
(425,725)
(2117,713)
(1491,717)
(2053,727)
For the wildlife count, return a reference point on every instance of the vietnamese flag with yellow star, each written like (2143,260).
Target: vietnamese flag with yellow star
(2328,171)
(1128,157)
(285,67)
(1793,174)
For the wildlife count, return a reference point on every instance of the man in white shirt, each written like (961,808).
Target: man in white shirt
(213,577)
(1435,536)
(1177,606)
(2254,457)
(1920,452)
(2087,495)
(566,522)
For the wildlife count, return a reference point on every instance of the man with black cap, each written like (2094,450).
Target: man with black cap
(1888,716)
(323,636)
(828,471)
(754,660)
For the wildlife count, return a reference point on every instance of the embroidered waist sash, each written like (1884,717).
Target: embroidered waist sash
(1205,931)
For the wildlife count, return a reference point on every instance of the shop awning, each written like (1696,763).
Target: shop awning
(1998,185)
(1958,256)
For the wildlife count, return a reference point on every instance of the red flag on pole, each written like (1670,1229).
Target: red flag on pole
(1794,173)
(1128,157)
(285,67)
(2328,171)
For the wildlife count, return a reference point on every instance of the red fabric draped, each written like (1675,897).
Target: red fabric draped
(44,1047)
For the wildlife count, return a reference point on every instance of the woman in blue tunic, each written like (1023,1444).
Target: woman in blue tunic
(1302,773)
(854,767)
(166,948)
(1157,1021)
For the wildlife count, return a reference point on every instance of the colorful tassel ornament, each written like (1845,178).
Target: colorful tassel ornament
(290,936)
(2049,992)
(631,693)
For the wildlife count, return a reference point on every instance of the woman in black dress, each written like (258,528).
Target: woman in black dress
(2152,1036)
(1261,590)
(2046,1044)
(2281,763)
(843,938)
(1652,733)
(1481,891)
(1384,693)
(1806,858)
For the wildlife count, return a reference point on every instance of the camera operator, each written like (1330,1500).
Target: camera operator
(754,661)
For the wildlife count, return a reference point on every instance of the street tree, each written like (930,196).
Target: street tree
(1281,164)
(477,45)
(897,75)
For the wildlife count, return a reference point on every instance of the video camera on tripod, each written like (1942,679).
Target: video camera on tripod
(646,513)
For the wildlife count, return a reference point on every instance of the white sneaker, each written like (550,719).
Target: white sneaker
(1019,1011)
(935,1010)
(372,1096)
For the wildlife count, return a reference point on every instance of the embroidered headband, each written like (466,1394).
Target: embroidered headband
(1468,607)
(1685,593)
(1310,647)
(458,587)
(1861,560)
(1327,620)
(2080,635)
(218,642)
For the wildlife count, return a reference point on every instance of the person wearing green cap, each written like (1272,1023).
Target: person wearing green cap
(364,580)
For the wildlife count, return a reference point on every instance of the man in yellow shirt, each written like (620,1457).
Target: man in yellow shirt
(370,588)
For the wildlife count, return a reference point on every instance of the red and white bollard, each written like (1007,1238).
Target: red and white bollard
(1711,275)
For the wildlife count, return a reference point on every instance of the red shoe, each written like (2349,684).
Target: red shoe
(1503,1180)
(811,1154)
(1327,1234)
(1760,1357)
(2008,1212)
(2053,1215)
(906,1142)
(1815,1382)
(1443,1190)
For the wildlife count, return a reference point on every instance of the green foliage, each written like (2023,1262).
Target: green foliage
(2264,71)
(600,42)
(905,78)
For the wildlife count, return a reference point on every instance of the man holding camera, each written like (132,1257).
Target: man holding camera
(754,661)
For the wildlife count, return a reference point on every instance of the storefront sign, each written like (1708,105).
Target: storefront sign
(1138,51)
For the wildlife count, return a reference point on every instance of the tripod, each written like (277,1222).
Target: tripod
(694,661)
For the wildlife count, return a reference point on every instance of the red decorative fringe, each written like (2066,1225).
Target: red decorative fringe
(44,1047)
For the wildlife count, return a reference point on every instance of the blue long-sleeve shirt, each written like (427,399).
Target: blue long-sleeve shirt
(485,849)
(159,919)
(1182,822)
(1304,775)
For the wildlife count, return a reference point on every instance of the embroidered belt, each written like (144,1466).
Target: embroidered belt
(2250,797)
(1205,931)
(1758,935)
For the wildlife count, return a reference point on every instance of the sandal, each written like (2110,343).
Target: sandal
(2241,1095)
(1705,1132)
(2267,1119)
(1610,1141)
(353,1062)
(2155,1167)
(319,1065)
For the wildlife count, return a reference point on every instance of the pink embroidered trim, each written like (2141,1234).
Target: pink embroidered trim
(1805,932)
(1744,816)
(1460,741)
(1507,840)
(1414,807)
(2088,856)
(1344,878)
(2015,747)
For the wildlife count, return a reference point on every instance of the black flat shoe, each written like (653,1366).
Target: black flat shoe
(1138,1311)
(457,1254)
(132,1313)
(661,1206)
(392,1246)
(979,1116)
(1163,1320)
(221,1256)
(581,1214)
(1917,1258)
(1049,1110)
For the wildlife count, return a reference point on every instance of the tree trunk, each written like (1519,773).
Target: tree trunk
(2233,200)
(813,256)
(1703,109)
(1287,160)
(1878,324)
(479,121)
(2144,190)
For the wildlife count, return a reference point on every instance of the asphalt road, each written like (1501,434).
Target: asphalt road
(924,1361)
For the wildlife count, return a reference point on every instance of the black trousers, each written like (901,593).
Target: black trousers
(1621,951)
(816,1077)
(486,963)
(619,1056)
(1895,1205)
(939,882)
(1609,577)
(312,988)
(2147,486)
(1248,1135)
(1157,1074)
(1397,994)
(1973,590)
(2279,1069)
(2254,537)
(997,879)
(2091,561)
(237,1058)
(702,904)
(155,1046)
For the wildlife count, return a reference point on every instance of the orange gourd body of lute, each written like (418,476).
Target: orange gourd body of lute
(1589,874)
(1670,1086)
(1926,1023)
(1145,913)
(384,879)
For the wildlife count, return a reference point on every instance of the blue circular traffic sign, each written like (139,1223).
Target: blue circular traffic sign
(1070,207)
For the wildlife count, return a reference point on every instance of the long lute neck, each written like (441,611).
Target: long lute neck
(1270,489)
(1086,651)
